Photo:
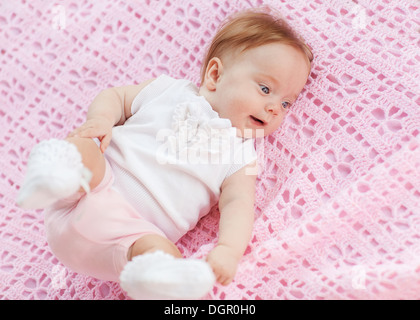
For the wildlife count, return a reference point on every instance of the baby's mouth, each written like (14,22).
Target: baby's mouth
(257,121)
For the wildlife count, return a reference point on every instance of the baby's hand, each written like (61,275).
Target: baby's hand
(224,262)
(99,127)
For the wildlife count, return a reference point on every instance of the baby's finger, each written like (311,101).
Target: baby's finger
(73,133)
(219,277)
(223,280)
(77,131)
(105,142)
(89,133)
(226,281)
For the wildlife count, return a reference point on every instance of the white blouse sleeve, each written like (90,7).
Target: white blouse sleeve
(151,91)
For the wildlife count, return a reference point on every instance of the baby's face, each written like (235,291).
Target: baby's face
(256,88)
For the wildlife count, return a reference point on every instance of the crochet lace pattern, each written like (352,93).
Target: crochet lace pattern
(338,197)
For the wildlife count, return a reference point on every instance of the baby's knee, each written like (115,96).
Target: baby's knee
(92,158)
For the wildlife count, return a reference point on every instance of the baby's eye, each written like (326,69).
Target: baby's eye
(285,104)
(265,89)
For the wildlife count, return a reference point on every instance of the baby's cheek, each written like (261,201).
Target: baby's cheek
(277,123)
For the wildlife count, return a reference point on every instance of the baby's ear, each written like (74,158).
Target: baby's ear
(213,71)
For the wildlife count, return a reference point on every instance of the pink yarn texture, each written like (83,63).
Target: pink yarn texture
(338,199)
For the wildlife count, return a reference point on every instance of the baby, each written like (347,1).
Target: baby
(152,159)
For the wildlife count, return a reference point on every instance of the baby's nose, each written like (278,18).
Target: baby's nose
(272,108)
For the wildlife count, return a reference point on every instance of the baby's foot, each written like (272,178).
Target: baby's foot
(55,171)
(159,275)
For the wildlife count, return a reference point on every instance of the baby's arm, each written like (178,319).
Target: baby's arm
(236,207)
(111,107)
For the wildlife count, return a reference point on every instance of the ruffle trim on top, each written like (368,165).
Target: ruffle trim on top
(199,133)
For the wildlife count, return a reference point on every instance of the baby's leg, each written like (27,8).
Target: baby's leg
(92,159)
(57,169)
(158,271)
(152,243)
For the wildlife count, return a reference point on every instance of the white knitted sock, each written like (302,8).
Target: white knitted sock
(54,171)
(159,275)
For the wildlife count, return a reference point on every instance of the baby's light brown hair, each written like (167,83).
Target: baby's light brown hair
(251,29)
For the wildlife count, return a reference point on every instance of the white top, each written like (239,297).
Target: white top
(172,155)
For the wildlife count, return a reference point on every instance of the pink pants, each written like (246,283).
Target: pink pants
(91,233)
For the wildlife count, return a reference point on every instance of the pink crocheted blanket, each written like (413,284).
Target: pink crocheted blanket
(338,200)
